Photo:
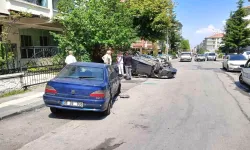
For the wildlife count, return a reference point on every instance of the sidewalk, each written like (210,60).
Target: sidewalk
(13,105)
(17,104)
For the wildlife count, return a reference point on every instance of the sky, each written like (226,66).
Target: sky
(203,18)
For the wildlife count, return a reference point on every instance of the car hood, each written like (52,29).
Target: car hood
(238,62)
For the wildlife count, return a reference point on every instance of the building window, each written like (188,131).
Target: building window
(44,41)
(55,3)
(26,41)
(38,2)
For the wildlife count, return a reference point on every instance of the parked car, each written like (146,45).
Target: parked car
(200,57)
(152,68)
(244,77)
(234,62)
(83,86)
(186,56)
(247,54)
(211,56)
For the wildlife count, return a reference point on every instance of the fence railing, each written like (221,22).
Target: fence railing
(40,74)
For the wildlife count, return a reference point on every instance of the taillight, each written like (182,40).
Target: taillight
(98,94)
(50,90)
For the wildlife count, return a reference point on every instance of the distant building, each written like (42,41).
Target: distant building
(213,42)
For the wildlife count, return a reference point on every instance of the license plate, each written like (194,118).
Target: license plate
(72,103)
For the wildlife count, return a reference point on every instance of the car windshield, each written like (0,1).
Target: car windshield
(201,55)
(211,54)
(237,57)
(82,72)
(248,53)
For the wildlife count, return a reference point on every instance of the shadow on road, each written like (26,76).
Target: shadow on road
(80,115)
(242,87)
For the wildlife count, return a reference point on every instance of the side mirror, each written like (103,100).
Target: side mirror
(242,66)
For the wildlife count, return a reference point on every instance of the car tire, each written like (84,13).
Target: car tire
(215,59)
(119,89)
(241,79)
(55,110)
(107,111)
(227,68)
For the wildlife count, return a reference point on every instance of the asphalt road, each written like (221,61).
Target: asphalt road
(203,108)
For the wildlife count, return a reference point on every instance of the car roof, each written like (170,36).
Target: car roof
(90,64)
(235,55)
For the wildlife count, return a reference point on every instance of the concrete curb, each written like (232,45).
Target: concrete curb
(20,111)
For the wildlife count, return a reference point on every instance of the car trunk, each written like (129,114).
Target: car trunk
(76,88)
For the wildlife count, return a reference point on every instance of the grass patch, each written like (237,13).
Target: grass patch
(15,92)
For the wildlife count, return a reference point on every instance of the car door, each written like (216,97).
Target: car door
(112,80)
(226,61)
(246,73)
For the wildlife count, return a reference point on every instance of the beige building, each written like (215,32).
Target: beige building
(213,42)
(30,37)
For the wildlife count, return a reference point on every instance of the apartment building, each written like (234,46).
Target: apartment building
(30,37)
(213,42)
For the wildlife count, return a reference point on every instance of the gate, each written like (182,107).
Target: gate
(40,70)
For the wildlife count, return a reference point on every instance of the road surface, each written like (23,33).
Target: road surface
(203,108)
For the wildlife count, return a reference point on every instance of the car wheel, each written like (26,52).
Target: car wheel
(241,79)
(107,111)
(227,68)
(119,90)
(55,110)
(215,59)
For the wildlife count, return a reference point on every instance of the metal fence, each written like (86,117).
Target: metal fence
(42,66)
(40,74)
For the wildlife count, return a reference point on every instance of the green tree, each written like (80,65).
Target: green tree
(185,46)
(91,26)
(174,34)
(151,18)
(7,23)
(202,51)
(237,34)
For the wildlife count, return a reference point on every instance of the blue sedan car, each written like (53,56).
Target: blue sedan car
(83,86)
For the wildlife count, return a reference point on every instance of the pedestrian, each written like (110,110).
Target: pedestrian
(128,65)
(107,59)
(70,58)
(120,63)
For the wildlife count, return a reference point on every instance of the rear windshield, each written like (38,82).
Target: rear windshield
(237,57)
(201,55)
(211,54)
(82,72)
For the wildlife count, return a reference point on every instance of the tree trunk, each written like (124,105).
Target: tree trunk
(238,50)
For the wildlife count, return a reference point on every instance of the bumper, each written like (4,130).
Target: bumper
(186,59)
(211,58)
(199,59)
(88,105)
(234,68)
